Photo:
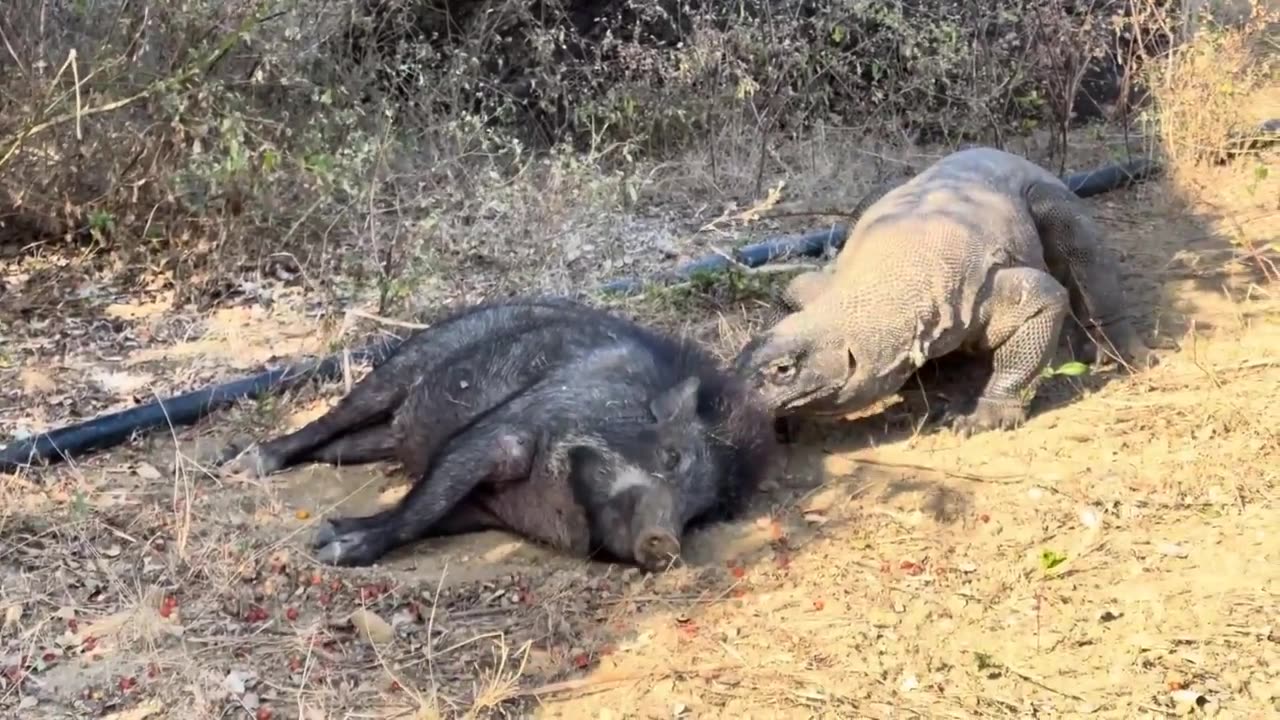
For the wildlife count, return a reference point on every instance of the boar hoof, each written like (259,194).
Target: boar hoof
(338,545)
(253,462)
(656,549)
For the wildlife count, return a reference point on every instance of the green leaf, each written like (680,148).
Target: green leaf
(270,159)
(1072,369)
(1260,173)
(1050,560)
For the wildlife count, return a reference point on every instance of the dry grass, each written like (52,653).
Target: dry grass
(1211,94)
(1115,558)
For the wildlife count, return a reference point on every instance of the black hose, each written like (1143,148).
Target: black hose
(114,428)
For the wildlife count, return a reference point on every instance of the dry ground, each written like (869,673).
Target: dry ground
(1117,557)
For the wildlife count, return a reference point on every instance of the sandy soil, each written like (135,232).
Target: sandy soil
(1117,557)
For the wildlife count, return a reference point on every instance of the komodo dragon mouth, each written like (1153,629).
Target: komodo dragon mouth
(814,401)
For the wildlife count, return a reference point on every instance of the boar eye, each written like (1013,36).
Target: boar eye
(670,458)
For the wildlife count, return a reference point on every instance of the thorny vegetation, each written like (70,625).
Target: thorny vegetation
(304,157)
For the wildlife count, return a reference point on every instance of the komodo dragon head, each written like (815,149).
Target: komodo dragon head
(800,366)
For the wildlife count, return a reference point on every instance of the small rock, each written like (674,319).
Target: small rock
(236,681)
(882,618)
(1089,518)
(823,501)
(838,466)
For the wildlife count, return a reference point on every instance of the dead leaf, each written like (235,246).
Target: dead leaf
(12,615)
(138,712)
(374,628)
(147,471)
(35,382)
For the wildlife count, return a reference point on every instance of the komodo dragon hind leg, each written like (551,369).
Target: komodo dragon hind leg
(1073,251)
(1022,317)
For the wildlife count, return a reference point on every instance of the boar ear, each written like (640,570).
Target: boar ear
(679,401)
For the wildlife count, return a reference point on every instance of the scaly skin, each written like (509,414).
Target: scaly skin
(983,252)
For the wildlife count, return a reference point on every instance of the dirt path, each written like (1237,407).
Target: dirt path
(1117,557)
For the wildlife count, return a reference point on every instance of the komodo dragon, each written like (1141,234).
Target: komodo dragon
(970,255)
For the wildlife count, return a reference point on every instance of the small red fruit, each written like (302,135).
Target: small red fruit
(126,684)
(264,713)
(984,517)
(292,614)
(738,571)
(581,661)
(72,625)
(49,657)
(818,604)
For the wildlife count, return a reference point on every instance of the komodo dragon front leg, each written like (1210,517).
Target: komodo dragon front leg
(1073,251)
(1019,323)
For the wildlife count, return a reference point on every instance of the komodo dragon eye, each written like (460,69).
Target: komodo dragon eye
(782,371)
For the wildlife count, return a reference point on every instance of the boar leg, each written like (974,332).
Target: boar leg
(369,403)
(542,509)
(374,398)
(486,456)
(367,445)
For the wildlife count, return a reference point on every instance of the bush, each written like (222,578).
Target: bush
(200,138)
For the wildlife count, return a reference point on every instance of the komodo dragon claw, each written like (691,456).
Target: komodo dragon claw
(989,414)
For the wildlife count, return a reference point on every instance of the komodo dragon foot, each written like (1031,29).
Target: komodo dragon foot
(989,414)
